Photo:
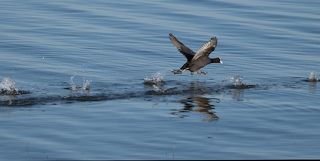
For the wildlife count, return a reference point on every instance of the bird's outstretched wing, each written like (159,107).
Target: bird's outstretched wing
(206,48)
(188,53)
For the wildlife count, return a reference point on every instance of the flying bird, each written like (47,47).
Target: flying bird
(196,60)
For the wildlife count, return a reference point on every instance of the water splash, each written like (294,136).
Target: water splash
(237,81)
(8,84)
(86,84)
(155,79)
(7,87)
(239,84)
(75,88)
(313,77)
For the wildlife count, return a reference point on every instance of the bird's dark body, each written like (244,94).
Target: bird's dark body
(199,59)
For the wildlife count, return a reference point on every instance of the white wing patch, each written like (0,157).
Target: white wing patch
(206,48)
(211,43)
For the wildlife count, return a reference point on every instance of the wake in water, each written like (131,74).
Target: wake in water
(155,85)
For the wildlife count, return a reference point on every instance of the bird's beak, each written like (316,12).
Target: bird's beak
(221,62)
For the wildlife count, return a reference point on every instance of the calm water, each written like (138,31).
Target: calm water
(80,68)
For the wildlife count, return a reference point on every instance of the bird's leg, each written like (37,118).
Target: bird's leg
(176,71)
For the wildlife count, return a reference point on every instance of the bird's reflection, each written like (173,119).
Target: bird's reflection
(198,104)
(7,100)
(237,94)
(313,87)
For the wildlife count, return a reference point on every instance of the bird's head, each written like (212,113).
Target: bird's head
(216,60)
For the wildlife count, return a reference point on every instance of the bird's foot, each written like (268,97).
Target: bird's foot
(200,72)
(176,71)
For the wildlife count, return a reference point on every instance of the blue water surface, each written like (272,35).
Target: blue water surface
(52,50)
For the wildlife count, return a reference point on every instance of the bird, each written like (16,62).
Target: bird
(196,60)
